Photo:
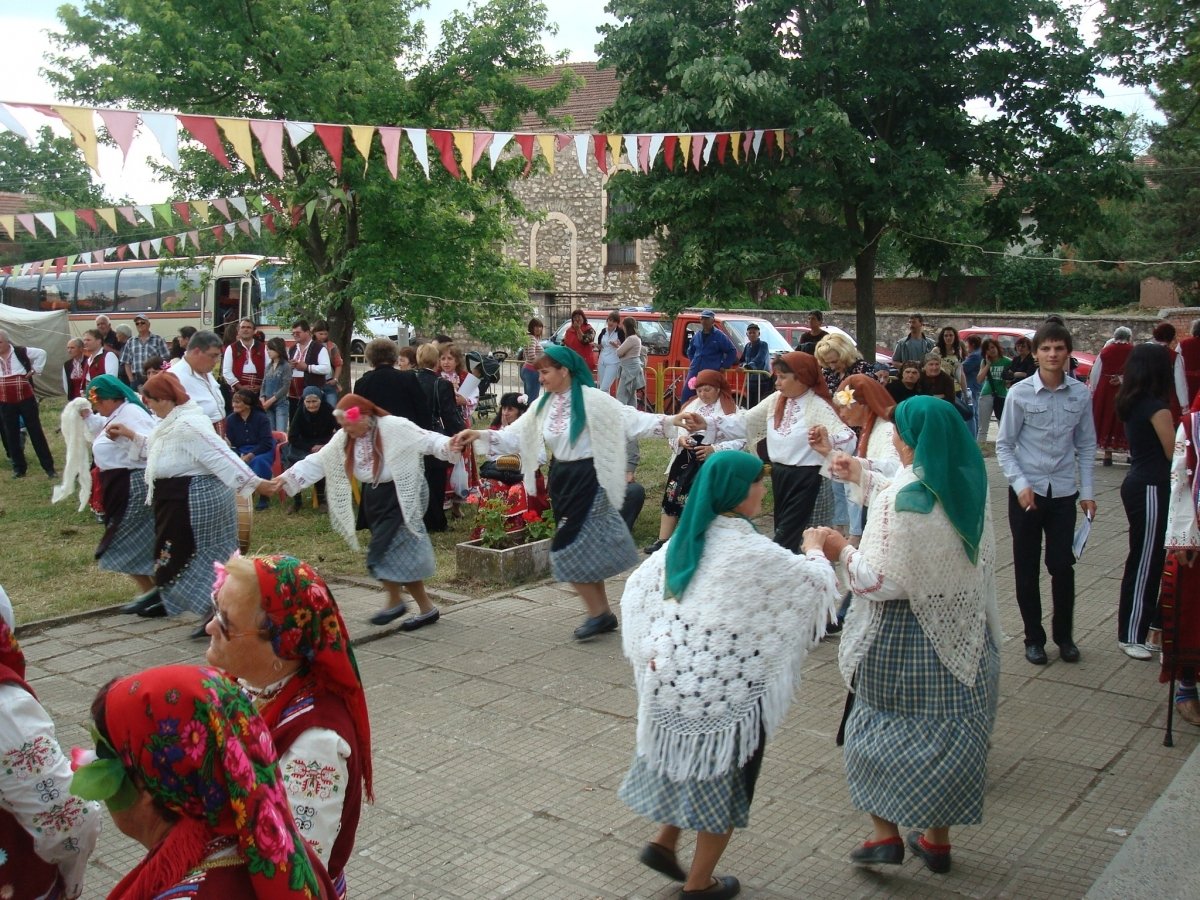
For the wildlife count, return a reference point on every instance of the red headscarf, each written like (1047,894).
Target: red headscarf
(713,378)
(353,406)
(805,369)
(165,386)
(875,397)
(195,743)
(304,623)
(11,656)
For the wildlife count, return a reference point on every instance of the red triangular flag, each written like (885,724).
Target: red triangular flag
(600,148)
(269,222)
(769,137)
(274,201)
(297,215)
(525,142)
(219,234)
(121,251)
(331,137)
(183,211)
(669,151)
(204,129)
(59,263)
(89,216)
(722,144)
(444,141)
(169,242)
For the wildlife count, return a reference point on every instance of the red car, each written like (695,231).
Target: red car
(1007,337)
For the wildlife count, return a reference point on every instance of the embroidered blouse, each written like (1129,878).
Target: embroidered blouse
(122,452)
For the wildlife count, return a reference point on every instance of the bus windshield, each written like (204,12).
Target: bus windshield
(275,293)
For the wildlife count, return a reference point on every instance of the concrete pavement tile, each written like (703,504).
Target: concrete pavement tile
(575,723)
(555,887)
(525,675)
(475,727)
(616,701)
(1137,679)
(475,693)
(1067,747)
(1029,713)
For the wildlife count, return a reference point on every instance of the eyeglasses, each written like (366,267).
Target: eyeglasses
(223,623)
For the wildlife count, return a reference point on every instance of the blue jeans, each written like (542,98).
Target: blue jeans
(529,381)
(278,414)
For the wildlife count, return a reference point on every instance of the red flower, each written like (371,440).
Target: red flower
(531,516)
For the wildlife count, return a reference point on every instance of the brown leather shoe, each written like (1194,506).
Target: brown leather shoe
(1189,711)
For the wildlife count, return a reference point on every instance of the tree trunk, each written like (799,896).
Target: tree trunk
(864,299)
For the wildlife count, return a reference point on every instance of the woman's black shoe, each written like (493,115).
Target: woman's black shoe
(148,605)
(890,853)
(201,629)
(651,549)
(722,888)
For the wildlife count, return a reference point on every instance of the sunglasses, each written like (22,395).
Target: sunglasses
(223,623)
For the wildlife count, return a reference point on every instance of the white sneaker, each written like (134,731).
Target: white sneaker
(1135,651)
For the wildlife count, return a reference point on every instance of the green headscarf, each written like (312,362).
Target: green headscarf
(581,375)
(948,465)
(106,387)
(722,483)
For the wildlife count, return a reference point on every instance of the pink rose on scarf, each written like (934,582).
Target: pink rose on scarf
(194,738)
(271,835)
(237,765)
(261,745)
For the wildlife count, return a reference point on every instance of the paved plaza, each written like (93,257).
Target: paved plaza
(500,745)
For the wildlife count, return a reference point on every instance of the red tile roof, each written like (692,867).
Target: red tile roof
(586,103)
(11,203)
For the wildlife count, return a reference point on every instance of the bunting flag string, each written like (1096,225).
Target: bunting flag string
(459,150)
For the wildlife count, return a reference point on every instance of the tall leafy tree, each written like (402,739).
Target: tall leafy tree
(424,249)
(876,95)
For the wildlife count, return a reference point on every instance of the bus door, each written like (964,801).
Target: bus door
(227,293)
(246,303)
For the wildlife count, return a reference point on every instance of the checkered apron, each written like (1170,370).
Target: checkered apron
(917,738)
(212,514)
(603,548)
(131,551)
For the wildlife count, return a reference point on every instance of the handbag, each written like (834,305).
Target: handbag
(964,409)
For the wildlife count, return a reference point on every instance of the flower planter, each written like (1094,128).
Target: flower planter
(508,565)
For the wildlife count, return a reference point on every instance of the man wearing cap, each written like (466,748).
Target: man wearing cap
(245,359)
(140,348)
(709,349)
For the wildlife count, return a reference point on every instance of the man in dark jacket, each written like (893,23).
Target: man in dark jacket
(399,392)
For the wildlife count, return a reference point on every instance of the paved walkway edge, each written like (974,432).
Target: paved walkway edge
(1160,860)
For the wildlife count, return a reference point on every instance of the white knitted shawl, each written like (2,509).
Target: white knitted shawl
(758,418)
(77,471)
(182,425)
(401,441)
(725,659)
(954,601)
(605,427)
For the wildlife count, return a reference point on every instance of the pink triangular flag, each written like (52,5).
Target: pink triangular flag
(390,138)
(222,206)
(204,129)
(121,124)
(29,222)
(270,140)
(127,213)
(483,140)
(194,237)
(643,152)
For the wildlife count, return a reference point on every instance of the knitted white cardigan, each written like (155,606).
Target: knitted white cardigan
(401,441)
(77,470)
(725,658)
(605,426)
(953,600)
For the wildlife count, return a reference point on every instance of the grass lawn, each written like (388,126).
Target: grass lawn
(46,551)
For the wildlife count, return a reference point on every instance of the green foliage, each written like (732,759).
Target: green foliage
(426,250)
(1019,283)
(876,97)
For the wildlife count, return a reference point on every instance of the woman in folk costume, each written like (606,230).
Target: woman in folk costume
(385,454)
(585,431)
(788,419)
(192,480)
(278,631)
(128,542)
(1105,381)
(46,836)
(1179,599)
(187,769)
(715,677)
(919,646)
(690,448)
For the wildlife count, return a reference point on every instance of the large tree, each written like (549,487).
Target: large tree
(891,105)
(426,250)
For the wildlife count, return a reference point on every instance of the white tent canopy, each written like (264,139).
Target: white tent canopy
(47,331)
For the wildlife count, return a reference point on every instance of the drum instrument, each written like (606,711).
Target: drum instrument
(245,519)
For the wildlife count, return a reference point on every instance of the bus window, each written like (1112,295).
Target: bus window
(58,291)
(96,289)
(272,294)
(137,290)
(181,291)
(22,291)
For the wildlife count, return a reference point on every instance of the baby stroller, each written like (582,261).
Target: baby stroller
(487,370)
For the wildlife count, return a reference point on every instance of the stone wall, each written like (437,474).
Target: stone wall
(568,239)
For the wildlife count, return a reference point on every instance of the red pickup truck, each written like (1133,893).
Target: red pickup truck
(666,342)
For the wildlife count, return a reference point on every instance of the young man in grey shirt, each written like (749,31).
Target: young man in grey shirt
(1046,433)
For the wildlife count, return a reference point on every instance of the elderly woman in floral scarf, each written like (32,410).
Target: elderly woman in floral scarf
(276,628)
(46,836)
(585,431)
(187,769)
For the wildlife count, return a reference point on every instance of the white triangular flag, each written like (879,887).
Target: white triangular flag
(417,137)
(710,138)
(47,219)
(499,142)
(655,143)
(9,121)
(239,203)
(298,132)
(147,213)
(165,128)
(583,143)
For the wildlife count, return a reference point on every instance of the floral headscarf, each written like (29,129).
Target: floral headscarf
(353,407)
(304,623)
(10,651)
(716,379)
(192,739)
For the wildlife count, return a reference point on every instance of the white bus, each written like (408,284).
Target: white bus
(210,292)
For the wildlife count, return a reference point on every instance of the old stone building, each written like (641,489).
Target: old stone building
(567,238)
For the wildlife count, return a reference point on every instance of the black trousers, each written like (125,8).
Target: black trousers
(795,489)
(1146,508)
(10,420)
(435,478)
(631,508)
(1055,518)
